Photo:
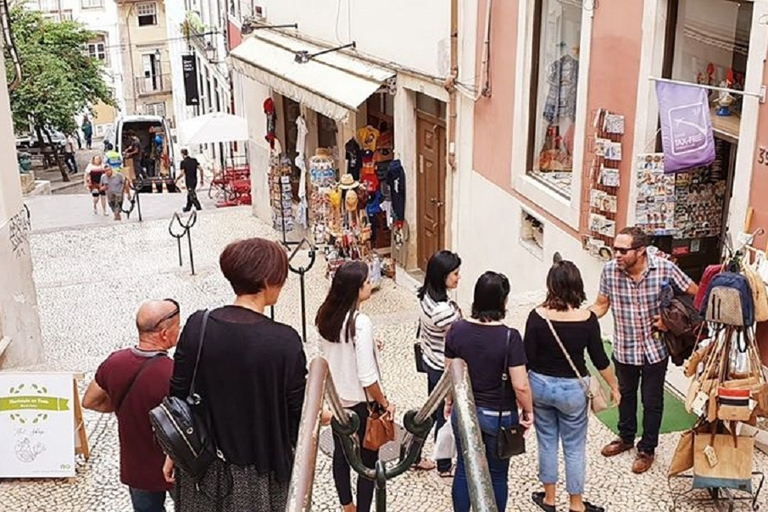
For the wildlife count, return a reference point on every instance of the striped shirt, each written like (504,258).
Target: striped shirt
(634,304)
(434,321)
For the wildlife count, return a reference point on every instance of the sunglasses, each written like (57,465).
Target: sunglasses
(169,315)
(625,250)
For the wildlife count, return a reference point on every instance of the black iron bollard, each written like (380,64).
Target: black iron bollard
(302,286)
(185,231)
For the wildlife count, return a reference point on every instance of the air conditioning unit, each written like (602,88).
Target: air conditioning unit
(259,12)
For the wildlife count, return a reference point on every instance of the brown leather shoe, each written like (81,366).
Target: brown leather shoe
(643,463)
(616,447)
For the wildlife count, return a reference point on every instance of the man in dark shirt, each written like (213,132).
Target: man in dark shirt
(131,382)
(189,168)
(134,154)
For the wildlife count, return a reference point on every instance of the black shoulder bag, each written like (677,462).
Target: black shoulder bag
(418,353)
(509,441)
(180,430)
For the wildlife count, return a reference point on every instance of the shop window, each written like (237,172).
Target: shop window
(147,13)
(532,234)
(708,43)
(554,92)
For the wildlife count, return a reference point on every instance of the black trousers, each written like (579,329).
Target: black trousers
(192,200)
(438,417)
(649,378)
(69,161)
(341,469)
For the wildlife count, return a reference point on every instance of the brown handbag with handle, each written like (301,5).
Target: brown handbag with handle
(379,428)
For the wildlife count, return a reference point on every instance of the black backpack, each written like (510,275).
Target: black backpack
(180,427)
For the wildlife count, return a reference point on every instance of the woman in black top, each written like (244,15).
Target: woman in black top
(560,405)
(251,381)
(484,343)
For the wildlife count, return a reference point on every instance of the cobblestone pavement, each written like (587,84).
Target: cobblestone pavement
(90,282)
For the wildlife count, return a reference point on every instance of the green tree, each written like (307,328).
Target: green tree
(59,79)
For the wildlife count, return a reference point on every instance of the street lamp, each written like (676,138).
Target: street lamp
(210,52)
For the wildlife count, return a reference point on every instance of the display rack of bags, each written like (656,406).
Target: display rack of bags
(728,391)
(280,195)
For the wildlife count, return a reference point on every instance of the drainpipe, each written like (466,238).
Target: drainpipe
(450,84)
(130,57)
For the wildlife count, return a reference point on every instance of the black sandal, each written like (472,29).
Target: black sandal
(588,507)
(538,498)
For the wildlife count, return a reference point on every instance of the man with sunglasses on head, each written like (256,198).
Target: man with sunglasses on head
(631,285)
(129,383)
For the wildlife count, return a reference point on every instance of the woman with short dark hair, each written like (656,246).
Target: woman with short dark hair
(485,343)
(560,405)
(348,345)
(251,381)
(438,312)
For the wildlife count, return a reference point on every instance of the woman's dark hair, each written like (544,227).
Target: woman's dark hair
(439,266)
(491,292)
(253,264)
(565,288)
(341,300)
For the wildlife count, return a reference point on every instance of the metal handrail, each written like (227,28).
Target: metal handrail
(418,423)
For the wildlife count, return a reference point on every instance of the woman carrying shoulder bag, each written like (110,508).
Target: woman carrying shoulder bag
(250,379)
(560,405)
(485,343)
(347,343)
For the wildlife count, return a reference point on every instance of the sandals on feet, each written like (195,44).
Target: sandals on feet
(538,498)
(424,465)
(445,474)
(589,507)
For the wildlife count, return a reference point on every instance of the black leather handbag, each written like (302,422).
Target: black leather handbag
(180,428)
(510,440)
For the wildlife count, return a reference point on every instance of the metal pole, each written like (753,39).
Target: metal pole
(302,288)
(178,244)
(760,94)
(381,487)
(302,478)
(272,312)
(471,440)
(191,255)
(138,203)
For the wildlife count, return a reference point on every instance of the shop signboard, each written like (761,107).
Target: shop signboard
(37,425)
(686,126)
(189,68)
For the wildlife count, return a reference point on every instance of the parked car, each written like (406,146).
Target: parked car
(23,141)
(56,137)
(145,127)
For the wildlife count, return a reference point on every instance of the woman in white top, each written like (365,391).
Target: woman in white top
(352,357)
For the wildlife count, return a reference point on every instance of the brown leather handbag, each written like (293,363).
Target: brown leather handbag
(379,428)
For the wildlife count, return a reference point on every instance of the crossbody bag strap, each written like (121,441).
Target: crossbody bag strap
(567,355)
(504,374)
(146,364)
(192,396)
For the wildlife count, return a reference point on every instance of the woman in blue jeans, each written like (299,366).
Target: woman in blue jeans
(560,406)
(484,343)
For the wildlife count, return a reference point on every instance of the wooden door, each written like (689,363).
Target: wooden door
(430,187)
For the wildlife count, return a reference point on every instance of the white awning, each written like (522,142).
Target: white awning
(332,84)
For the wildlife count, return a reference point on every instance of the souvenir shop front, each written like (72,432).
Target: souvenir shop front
(332,173)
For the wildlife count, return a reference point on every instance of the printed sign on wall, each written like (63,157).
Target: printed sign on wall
(37,425)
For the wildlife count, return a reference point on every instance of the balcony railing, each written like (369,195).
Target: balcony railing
(154,84)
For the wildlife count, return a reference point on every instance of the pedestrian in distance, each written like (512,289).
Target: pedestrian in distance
(485,344)
(250,379)
(560,405)
(189,169)
(92,180)
(131,382)
(132,157)
(348,344)
(87,128)
(630,285)
(437,314)
(69,154)
(115,185)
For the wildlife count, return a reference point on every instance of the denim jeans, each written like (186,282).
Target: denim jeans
(652,392)
(499,468)
(560,411)
(147,501)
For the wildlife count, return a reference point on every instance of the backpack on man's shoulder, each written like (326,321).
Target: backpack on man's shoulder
(729,300)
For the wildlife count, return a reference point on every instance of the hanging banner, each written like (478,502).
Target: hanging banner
(37,425)
(686,126)
(189,67)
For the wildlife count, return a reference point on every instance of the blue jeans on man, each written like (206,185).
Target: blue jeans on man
(147,501)
(560,411)
(488,419)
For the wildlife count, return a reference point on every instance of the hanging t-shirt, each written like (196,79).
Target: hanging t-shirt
(354,158)
(301,135)
(368,136)
(396,181)
(563,81)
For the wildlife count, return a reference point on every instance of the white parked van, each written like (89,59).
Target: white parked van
(146,128)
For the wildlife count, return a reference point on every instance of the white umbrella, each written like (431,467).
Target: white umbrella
(214,127)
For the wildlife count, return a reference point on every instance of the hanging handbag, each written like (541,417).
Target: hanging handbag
(757,286)
(418,353)
(596,395)
(510,441)
(179,428)
(722,460)
(379,426)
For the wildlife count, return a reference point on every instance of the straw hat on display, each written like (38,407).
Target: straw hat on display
(348,182)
